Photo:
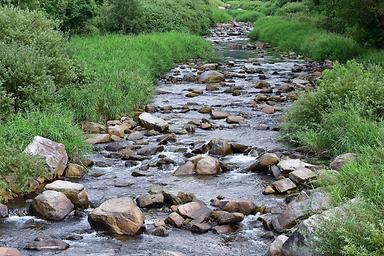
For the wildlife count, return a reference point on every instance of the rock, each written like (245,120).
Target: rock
(225,229)
(269,190)
(118,216)
(171,253)
(160,231)
(230,217)
(73,191)
(205,110)
(219,147)
(211,76)
(235,119)
(74,171)
(208,166)
(239,148)
(97,138)
(209,66)
(150,201)
(192,94)
(276,248)
(90,127)
(159,223)
(134,136)
(302,175)
(184,170)
(175,220)
(3,211)
(268,159)
(212,87)
(341,160)
(200,228)
(218,114)
(51,205)
(152,122)
(8,251)
(290,165)
(268,109)
(262,84)
(244,207)
(197,211)
(283,185)
(163,140)
(149,150)
(52,244)
(53,153)
(117,130)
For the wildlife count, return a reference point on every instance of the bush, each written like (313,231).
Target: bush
(372,57)
(126,74)
(305,38)
(351,83)
(220,16)
(57,125)
(292,8)
(249,16)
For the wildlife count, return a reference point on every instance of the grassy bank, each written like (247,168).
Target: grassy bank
(304,38)
(125,68)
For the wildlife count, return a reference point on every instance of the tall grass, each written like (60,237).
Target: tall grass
(220,16)
(305,39)
(125,68)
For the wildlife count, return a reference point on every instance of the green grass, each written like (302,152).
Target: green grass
(249,16)
(125,69)
(220,16)
(372,57)
(305,39)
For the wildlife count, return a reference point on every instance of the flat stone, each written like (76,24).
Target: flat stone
(283,185)
(53,244)
(268,109)
(201,228)
(97,138)
(290,165)
(195,210)
(235,119)
(215,114)
(152,122)
(150,201)
(244,207)
(230,217)
(7,251)
(225,229)
(302,175)
(175,220)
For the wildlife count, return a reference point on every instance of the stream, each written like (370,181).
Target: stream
(245,63)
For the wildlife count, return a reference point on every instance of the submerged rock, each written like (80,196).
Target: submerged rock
(118,215)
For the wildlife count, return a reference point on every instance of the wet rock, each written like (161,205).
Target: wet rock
(211,76)
(276,248)
(201,228)
(239,148)
(171,253)
(209,66)
(73,191)
(341,160)
(160,231)
(53,153)
(175,220)
(185,197)
(150,201)
(191,128)
(74,171)
(97,138)
(225,229)
(90,127)
(3,211)
(8,251)
(268,159)
(197,211)
(149,150)
(212,87)
(52,244)
(220,147)
(152,122)
(74,237)
(208,166)
(268,109)
(118,216)
(283,185)
(117,130)
(235,119)
(192,94)
(184,170)
(302,176)
(159,223)
(244,207)
(269,190)
(230,217)
(163,140)
(51,205)
(135,136)
(262,84)
(290,165)
(205,110)
(218,114)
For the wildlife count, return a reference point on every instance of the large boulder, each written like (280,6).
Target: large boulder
(118,216)
(211,76)
(208,166)
(73,191)
(53,153)
(51,205)
(152,122)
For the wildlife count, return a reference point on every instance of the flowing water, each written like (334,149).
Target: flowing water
(111,178)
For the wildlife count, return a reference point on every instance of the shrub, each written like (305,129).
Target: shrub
(57,125)
(249,16)
(292,9)
(126,74)
(220,16)
(350,83)
(305,38)
(373,57)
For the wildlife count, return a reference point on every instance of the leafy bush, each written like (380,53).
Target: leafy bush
(125,69)
(304,38)
(57,125)
(220,16)
(351,83)
(373,57)
(249,16)
(292,8)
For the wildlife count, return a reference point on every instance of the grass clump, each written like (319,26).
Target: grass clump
(220,16)
(304,38)
(249,16)
(125,69)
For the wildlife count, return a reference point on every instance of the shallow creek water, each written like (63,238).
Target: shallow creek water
(260,131)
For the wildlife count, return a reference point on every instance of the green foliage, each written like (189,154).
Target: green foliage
(246,5)
(57,125)
(351,83)
(372,57)
(125,69)
(249,16)
(293,8)
(220,16)
(304,38)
